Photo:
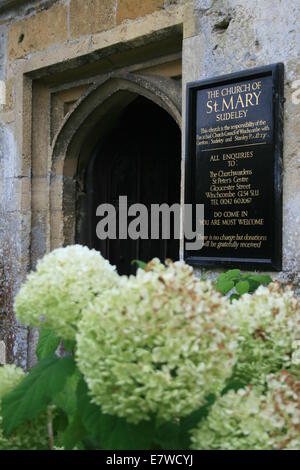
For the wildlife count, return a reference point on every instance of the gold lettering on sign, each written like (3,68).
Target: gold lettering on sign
(233,132)
(233,102)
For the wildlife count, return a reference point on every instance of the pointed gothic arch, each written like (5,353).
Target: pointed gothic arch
(93,117)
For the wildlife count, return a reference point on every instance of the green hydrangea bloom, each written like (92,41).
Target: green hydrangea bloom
(10,377)
(269,333)
(30,435)
(254,419)
(233,424)
(156,345)
(62,285)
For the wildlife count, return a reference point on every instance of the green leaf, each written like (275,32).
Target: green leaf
(74,433)
(60,421)
(234,384)
(176,436)
(231,275)
(88,412)
(192,420)
(224,286)
(116,433)
(256,280)
(110,431)
(36,391)
(89,443)
(66,399)
(234,297)
(263,279)
(168,436)
(140,264)
(47,344)
(242,287)
(69,345)
(253,285)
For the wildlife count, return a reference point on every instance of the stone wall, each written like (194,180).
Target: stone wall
(51,22)
(53,52)
(38,36)
(233,35)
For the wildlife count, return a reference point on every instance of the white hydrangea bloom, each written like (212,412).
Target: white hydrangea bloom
(283,409)
(156,345)
(296,353)
(62,285)
(28,436)
(10,376)
(269,332)
(251,420)
(233,424)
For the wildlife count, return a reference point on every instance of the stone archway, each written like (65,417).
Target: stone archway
(140,159)
(93,117)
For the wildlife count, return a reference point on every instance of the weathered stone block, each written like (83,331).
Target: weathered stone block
(131,9)
(91,16)
(37,32)
(2,353)
(9,96)
(3,49)
(17,194)
(40,194)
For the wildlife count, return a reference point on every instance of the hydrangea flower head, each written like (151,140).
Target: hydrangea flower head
(10,376)
(64,282)
(269,333)
(233,424)
(156,345)
(254,419)
(29,436)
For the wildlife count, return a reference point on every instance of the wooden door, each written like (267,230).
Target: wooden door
(140,159)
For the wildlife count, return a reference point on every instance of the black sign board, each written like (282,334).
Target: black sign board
(233,166)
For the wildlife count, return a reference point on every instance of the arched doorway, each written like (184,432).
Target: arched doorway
(139,158)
